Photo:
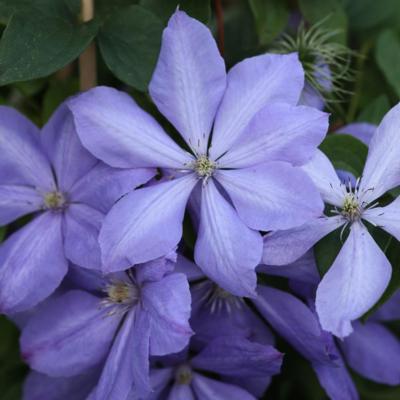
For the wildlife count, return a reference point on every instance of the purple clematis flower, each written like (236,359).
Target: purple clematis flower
(245,169)
(70,191)
(118,322)
(361,271)
(234,358)
(216,313)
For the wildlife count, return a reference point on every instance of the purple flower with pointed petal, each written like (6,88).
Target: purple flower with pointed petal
(69,189)
(247,178)
(233,358)
(361,271)
(134,314)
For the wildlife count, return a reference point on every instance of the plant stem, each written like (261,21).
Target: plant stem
(219,12)
(87,60)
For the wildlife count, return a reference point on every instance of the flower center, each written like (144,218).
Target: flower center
(351,209)
(121,296)
(54,200)
(204,167)
(183,375)
(218,298)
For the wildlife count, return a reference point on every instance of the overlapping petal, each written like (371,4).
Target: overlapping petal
(32,263)
(145,224)
(272,196)
(354,283)
(126,370)
(226,249)
(286,246)
(237,356)
(117,131)
(102,186)
(252,84)
(69,158)
(279,132)
(167,302)
(295,322)
(189,80)
(81,227)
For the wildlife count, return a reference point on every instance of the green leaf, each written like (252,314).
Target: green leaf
(271,17)
(130,42)
(199,9)
(104,8)
(387,55)
(57,92)
(369,14)
(331,12)
(2,233)
(375,110)
(36,44)
(345,152)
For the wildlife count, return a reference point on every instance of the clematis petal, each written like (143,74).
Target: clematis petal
(145,224)
(354,283)
(387,218)
(390,310)
(167,302)
(63,338)
(22,160)
(324,176)
(361,130)
(113,128)
(279,132)
(126,370)
(69,158)
(189,268)
(295,322)
(189,80)
(210,389)
(16,201)
(181,392)
(336,380)
(272,196)
(102,186)
(81,229)
(252,84)
(155,270)
(383,161)
(302,270)
(39,386)
(374,352)
(238,356)
(32,263)
(226,249)
(286,246)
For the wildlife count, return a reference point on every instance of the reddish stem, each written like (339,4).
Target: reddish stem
(219,12)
